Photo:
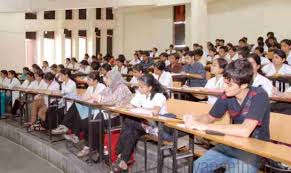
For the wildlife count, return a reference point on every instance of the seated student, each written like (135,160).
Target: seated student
(164,57)
(84,67)
(86,57)
(270,54)
(175,66)
(137,72)
(38,83)
(57,76)
(135,59)
(95,65)
(72,119)
(54,69)
(68,64)
(217,68)
(277,67)
(252,122)
(233,55)
(260,52)
(23,76)
(4,78)
(212,54)
(45,67)
(171,49)
(195,70)
(272,43)
(11,83)
(286,47)
(260,43)
(120,65)
(164,77)
(40,104)
(199,57)
(35,68)
(75,64)
(258,79)
(154,52)
(152,97)
(146,61)
(223,53)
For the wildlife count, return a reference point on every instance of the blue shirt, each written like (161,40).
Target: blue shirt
(196,68)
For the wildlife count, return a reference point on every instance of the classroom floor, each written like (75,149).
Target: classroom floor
(16,159)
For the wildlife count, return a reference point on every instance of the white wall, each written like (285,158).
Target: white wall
(233,19)
(147,27)
(12,41)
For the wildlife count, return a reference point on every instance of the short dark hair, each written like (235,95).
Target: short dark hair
(68,59)
(171,45)
(271,34)
(84,62)
(4,72)
(66,71)
(121,58)
(156,49)
(25,69)
(74,59)
(286,41)
(160,65)
(198,52)
(240,71)
(164,54)
(224,48)
(31,74)
(39,73)
(222,63)
(106,67)
(138,67)
(61,66)
(243,40)
(222,40)
(146,53)
(45,62)
(95,76)
(54,66)
(49,76)
(233,48)
(260,49)
(190,53)
(177,56)
(95,65)
(212,49)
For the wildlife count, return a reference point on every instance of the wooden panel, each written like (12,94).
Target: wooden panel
(280,127)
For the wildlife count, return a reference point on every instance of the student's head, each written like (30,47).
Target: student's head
(45,64)
(86,56)
(159,67)
(209,45)
(25,70)
(198,53)
(217,41)
(60,67)
(113,79)
(255,60)
(279,57)
(155,49)
(229,45)
(163,56)
(189,58)
(105,68)
(259,51)
(38,75)
(243,52)
(93,79)
(221,42)
(54,68)
(270,53)
(30,76)
(137,70)
(120,60)
(272,41)
(286,45)
(260,40)
(218,65)
(145,55)
(149,86)
(68,60)
(99,56)
(11,74)
(171,46)
(65,74)
(35,68)
(242,43)
(49,77)
(186,49)
(74,61)
(222,52)
(212,52)
(135,56)
(4,73)
(270,34)
(84,64)
(95,65)
(195,46)
(232,51)
(238,76)
(174,58)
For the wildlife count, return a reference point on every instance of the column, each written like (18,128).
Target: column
(60,37)
(91,36)
(199,22)
(118,32)
(40,46)
(75,44)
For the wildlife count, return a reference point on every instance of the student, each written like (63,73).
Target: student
(86,57)
(217,68)
(223,53)
(95,65)
(57,76)
(270,54)
(258,79)
(137,72)
(174,66)
(54,69)
(260,43)
(12,83)
(75,64)
(171,49)
(199,56)
(243,44)
(146,61)
(84,67)
(195,70)
(150,97)
(120,65)
(164,77)
(154,52)
(277,67)
(272,43)
(233,55)
(135,59)
(249,108)
(164,58)
(23,76)
(35,68)
(4,78)
(286,47)
(38,83)
(260,52)
(212,54)
(68,63)
(45,67)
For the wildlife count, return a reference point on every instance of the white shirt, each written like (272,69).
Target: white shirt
(165,79)
(95,91)
(256,45)
(46,69)
(54,86)
(214,84)
(167,62)
(134,80)
(68,88)
(235,57)
(270,69)
(69,66)
(85,70)
(265,83)
(14,82)
(264,61)
(5,81)
(289,58)
(123,69)
(75,66)
(133,62)
(25,84)
(171,51)
(142,101)
(42,85)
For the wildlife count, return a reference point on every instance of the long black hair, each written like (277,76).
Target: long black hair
(150,81)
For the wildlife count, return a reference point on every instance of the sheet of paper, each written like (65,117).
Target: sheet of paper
(141,111)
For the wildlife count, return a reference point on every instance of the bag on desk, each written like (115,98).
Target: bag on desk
(3,103)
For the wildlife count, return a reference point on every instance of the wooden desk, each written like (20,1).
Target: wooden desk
(268,150)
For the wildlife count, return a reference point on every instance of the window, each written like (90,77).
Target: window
(98,13)
(49,15)
(179,26)
(68,43)
(30,48)
(82,14)
(109,14)
(49,46)
(82,43)
(98,40)
(69,14)
(109,41)
(30,15)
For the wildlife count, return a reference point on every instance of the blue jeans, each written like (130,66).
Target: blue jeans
(213,160)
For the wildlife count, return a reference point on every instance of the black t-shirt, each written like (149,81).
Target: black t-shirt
(255,106)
